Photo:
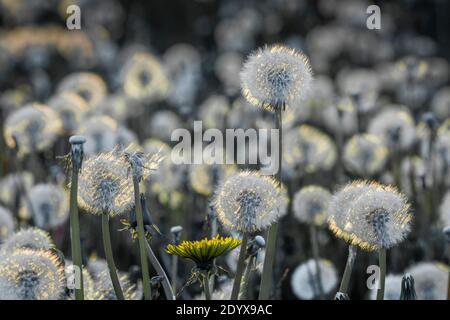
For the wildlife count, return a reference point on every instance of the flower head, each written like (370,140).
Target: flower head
(7,224)
(12,186)
(104,289)
(30,238)
(204,178)
(248,201)
(365,155)
(275,76)
(304,279)
(392,290)
(104,187)
(33,127)
(430,280)
(204,251)
(370,215)
(71,109)
(31,275)
(310,205)
(87,85)
(139,163)
(100,133)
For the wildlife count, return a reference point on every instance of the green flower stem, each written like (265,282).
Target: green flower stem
(316,256)
(75,232)
(142,241)
(382,265)
(110,258)
(245,282)
(174,272)
(267,275)
(213,234)
(240,268)
(352,250)
(205,284)
(159,269)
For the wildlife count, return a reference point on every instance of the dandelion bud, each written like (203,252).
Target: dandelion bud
(341,296)
(77,151)
(176,233)
(253,246)
(408,292)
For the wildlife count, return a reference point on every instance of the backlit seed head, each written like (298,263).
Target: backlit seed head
(71,109)
(104,186)
(204,178)
(33,127)
(144,78)
(7,224)
(274,76)
(31,275)
(248,201)
(370,215)
(47,205)
(365,155)
(395,125)
(304,279)
(12,186)
(310,205)
(100,133)
(163,123)
(214,111)
(30,238)
(307,150)
(105,291)
(441,102)
(87,85)
(430,280)
(140,164)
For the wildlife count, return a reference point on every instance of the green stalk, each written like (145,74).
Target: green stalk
(142,241)
(267,275)
(244,290)
(205,284)
(109,257)
(240,268)
(160,271)
(316,256)
(382,265)
(75,232)
(352,250)
(174,272)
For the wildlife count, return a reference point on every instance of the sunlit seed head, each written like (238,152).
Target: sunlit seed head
(430,280)
(140,164)
(248,201)
(370,215)
(96,266)
(204,178)
(304,279)
(365,155)
(274,76)
(392,290)
(88,282)
(100,133)
(71,109)
(87,85)
(47,205)
(163,123)
(30,238)
(33,127)
(395,125)
(118,106)
(310,205)
(7,224)
(104,289)
(306,149)
(12,186)
(143,77)
(31,275)
(104,186)
(214,111)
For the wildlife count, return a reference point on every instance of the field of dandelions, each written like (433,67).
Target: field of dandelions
(93,208)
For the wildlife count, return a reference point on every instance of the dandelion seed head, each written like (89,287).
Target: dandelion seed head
(34,127)
(392,290)
(141,164)
(104,187)
(7,224)
(49,205)
(370,215)
(310,205)
(71,109)
(304,279)
(395,125)
(100,132)
(204,178)
(105,291)
(87,85)
(365,155)
(430,280)
(163,123)
(248,202)
(29,238)
(233,257)
(276,75)
(12,184)
(31,275)
(214,111)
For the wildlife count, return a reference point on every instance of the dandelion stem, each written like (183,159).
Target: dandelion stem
(205,284)
(174,272)
(267,275)
(244,291)
(159,269)
(352,250)
(75,232)
(382,265)
(142,242)
(110,258)
(240,268)
(315,250)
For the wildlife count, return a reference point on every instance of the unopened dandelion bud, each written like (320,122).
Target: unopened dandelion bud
(341,296)
(77,151)
(257,243)
(408,291)
(176,233)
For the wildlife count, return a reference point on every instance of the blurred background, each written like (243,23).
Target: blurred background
(137,70)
